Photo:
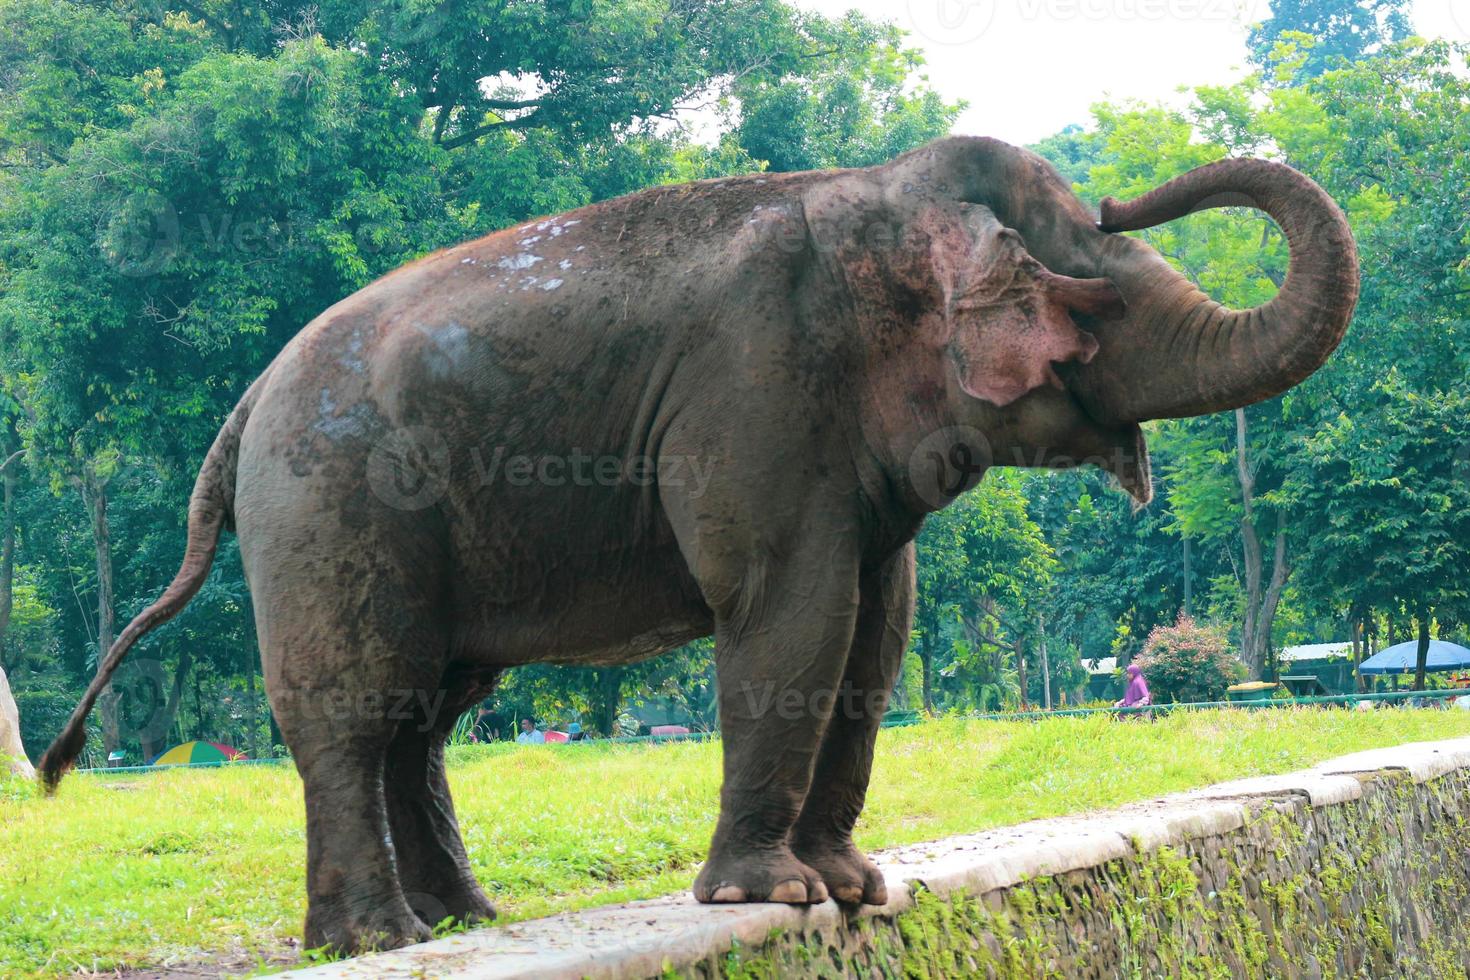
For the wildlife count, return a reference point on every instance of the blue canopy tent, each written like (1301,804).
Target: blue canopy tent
(1401,658)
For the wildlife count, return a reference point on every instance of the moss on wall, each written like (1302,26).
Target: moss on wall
(1372,887)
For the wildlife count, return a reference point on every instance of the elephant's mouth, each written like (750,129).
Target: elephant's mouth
(1120,449)
(1057,432)
(1131,467)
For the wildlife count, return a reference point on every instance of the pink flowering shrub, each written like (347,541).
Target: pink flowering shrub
(1188,662)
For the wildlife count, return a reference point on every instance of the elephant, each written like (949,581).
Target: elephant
(718,408)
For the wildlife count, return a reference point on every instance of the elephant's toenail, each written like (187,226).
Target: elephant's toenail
(728,893)
(848,894)
(792,892)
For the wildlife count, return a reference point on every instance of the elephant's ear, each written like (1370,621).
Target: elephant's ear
(1010,320)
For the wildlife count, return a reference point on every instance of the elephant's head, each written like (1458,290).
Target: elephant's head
(1051,336)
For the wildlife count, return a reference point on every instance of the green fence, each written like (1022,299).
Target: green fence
(1391,697)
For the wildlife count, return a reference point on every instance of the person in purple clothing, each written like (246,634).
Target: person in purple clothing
(1136,696)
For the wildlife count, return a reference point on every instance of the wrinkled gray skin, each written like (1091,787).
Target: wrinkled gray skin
(797,369)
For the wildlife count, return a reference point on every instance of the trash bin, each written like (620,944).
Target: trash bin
(1250,691)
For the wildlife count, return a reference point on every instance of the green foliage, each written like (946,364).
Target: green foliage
(1188,662)
(984,567)
(680,683)
(1304,38)
(848,108)
(44,702)
(1393,492)
(1119,570)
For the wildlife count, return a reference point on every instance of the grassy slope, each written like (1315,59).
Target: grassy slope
(181,864)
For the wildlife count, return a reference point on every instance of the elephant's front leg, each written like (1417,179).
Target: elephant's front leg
(822,837)
(780,653)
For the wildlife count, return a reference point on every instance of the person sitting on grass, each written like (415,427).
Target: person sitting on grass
(1137,695)
(529,735)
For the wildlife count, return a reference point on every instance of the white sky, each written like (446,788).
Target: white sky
(1030,67)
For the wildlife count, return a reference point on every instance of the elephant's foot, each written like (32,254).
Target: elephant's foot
(849,875)
(465,903)
(764,875)
(386,926)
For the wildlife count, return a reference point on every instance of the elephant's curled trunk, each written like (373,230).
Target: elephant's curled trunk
(1180,353)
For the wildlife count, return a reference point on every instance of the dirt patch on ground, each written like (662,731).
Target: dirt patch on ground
(227,964)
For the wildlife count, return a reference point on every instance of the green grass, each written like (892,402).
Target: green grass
(187,866)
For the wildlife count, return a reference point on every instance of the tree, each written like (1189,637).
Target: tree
(8,465)
(144,272)
(1382,477)
(1340,31)
(598,696)
(983,568)
(1119,568)
(1390,499)
(847,107)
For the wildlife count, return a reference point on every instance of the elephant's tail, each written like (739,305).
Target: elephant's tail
(210,507)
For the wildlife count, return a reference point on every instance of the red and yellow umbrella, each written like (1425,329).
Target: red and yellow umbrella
(193,753)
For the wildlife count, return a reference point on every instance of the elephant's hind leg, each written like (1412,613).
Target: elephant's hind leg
(822,836)
(432,865)
(342,655)
(354,900)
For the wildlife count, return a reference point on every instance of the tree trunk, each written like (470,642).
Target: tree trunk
(1188,581)
(200,732)
(1280,571)
(609,698)
(926,658)
(7,552)
(153,744)
(252,734)
(94,495)
(1357,634)
(1261,596)
(1422,654)
(1045,665)
(1020,650)
(1370,647)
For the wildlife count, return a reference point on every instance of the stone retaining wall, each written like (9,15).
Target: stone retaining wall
(1359,867)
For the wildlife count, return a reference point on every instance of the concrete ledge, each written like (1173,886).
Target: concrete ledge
(1358,865)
